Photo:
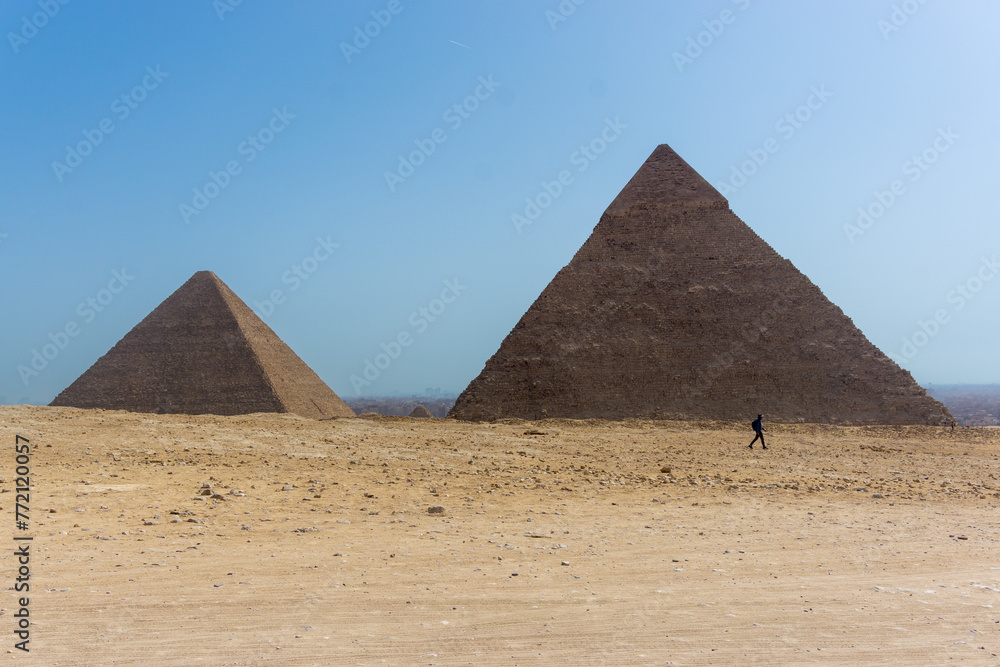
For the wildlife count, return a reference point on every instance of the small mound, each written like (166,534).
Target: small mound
(422,412)
(370,415)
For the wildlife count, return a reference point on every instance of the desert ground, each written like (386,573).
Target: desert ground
(260,539)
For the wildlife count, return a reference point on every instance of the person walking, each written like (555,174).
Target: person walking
(758,428)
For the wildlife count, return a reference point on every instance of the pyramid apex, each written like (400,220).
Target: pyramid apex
(664,178)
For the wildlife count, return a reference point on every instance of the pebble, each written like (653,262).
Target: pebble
(435,509)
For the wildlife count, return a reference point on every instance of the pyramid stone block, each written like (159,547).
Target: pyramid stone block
(675,309)
(203,351)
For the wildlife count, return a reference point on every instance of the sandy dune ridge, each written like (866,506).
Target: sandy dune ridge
(582,542)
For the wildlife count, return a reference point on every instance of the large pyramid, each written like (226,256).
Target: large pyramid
(675,309)
(203,351)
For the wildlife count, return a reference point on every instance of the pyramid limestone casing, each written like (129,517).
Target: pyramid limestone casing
(675,309)
(203,351)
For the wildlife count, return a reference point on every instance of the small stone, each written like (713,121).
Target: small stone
(565,562)
(665,470)
(435,509)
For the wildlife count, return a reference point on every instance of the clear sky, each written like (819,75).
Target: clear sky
(141,142)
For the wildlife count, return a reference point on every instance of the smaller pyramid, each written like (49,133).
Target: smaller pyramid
(203,351)
(421,411)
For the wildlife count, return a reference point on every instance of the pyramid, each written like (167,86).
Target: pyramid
(421,412)
(203,351)
(675,309)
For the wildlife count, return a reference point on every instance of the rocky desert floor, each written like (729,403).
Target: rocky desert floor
(271,539)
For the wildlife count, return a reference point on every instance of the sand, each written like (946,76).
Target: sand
(559,541)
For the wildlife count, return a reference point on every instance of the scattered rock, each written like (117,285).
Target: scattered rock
(435,509)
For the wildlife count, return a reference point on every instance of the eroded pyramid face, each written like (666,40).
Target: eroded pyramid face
(675,309)
(203,351)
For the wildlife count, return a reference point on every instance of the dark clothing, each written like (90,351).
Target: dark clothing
(758,428)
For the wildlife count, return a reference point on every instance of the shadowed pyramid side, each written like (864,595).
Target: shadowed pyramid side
(203,351)
(674,308)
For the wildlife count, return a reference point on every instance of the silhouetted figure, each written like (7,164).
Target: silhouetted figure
(758,428)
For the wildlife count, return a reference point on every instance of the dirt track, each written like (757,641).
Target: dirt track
(559,541)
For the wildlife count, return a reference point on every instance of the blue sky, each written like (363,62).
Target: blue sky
(886,107)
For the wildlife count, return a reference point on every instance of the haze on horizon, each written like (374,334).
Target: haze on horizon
(429,178)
